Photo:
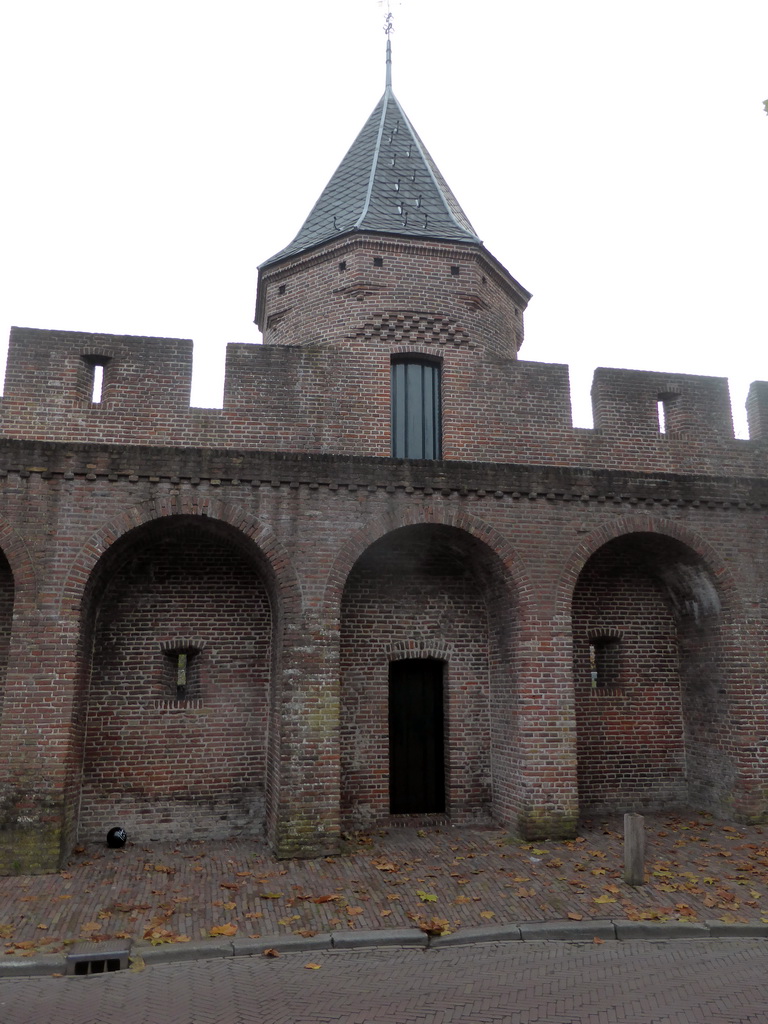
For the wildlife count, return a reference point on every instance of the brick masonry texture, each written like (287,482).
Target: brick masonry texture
(191,763)
(277,545)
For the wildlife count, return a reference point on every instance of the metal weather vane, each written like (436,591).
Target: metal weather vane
(389,27)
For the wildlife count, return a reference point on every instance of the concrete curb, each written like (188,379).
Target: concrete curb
(176,952)
(389,937)
(525,931)
(489,933)
(280,943)
(568,931)
(661,930)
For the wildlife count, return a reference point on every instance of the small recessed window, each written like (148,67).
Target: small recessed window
(666,407)
(182,674)
(342,266)
(604,662)
(281,289)
(378,261)
(455,271)
(98,382)
(96,366)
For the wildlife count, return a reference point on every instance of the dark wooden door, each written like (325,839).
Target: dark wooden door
(416,747)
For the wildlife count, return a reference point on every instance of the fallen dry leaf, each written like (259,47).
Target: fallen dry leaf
(223,929)
(384,865)
(312,967)
(270,952)
(573,916)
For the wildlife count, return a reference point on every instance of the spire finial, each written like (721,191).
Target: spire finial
(389,28)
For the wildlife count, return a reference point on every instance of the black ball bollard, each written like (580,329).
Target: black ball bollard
(116,838)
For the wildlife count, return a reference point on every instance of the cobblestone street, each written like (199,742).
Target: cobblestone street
(697,870)
(722,981)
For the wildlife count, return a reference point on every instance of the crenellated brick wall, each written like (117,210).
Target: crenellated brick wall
(334,397)
(277,543)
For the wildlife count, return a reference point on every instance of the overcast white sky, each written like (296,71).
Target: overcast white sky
(612,154)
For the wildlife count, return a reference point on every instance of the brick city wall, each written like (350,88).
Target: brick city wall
(295,560)
(516,540)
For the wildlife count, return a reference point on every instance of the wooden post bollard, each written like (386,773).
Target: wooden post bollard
(634,849)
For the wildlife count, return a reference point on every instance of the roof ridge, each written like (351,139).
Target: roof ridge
(377,149)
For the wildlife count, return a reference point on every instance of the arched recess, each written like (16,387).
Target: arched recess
(653,609)
(18,587)
(180,648)
(7,592)
(433,593)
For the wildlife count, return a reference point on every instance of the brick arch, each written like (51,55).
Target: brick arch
(514,571)
(22,567)
(246,524)
(382,623)
(406,649)
(625,526)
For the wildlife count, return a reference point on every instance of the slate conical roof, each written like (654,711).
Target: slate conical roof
(388,184)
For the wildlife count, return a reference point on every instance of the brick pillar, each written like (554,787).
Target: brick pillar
(546,734)
(743,694)
(38,746)
(304,778)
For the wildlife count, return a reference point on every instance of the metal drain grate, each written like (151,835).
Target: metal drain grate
(98,958)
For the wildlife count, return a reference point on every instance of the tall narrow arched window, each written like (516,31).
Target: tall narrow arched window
(416,409)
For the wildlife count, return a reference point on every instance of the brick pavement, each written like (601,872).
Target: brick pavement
(685,982)
(698,870)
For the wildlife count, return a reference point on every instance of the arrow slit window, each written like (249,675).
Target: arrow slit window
(416,409)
